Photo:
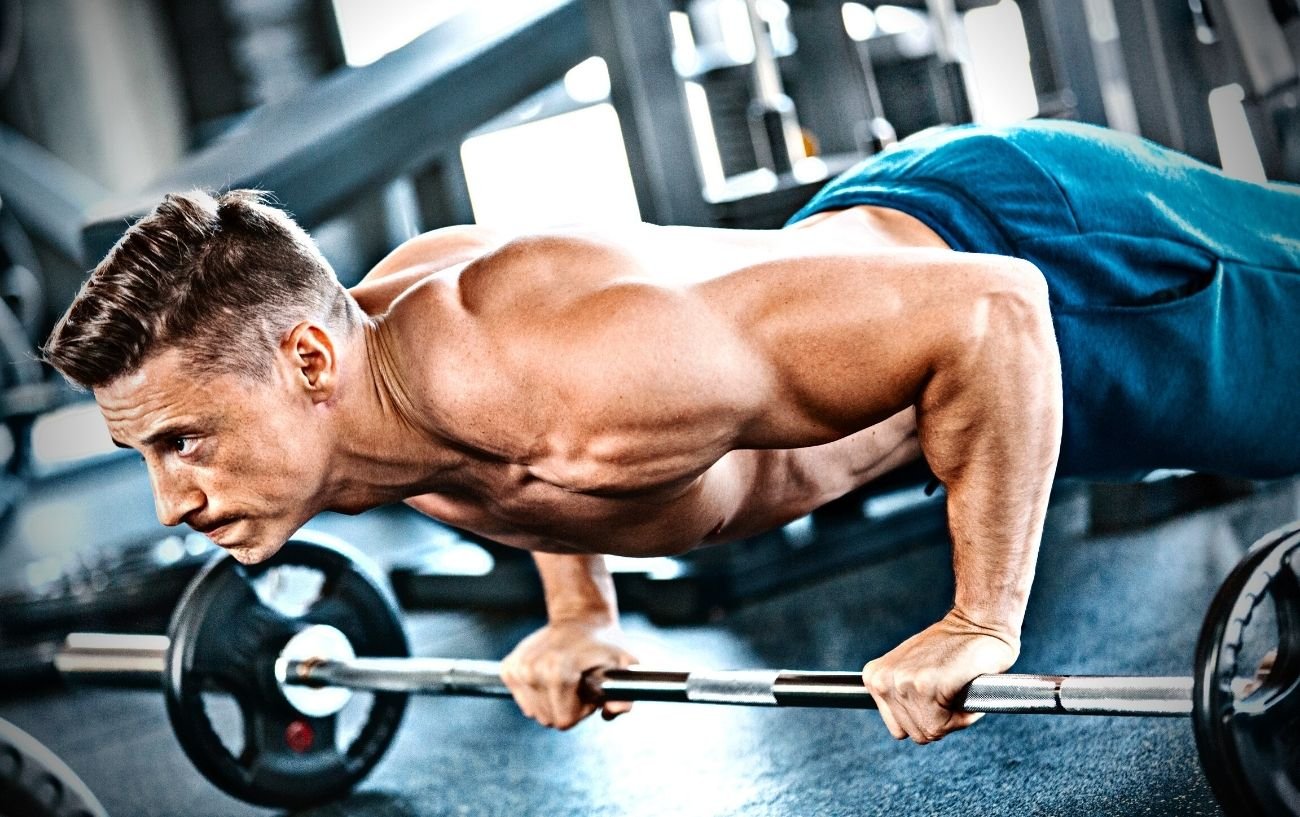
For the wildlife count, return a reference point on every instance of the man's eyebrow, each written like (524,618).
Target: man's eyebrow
(165,433)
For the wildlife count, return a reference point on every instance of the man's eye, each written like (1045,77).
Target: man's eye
(182,445)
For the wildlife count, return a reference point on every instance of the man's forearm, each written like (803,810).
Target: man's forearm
(990,426)
(577,586)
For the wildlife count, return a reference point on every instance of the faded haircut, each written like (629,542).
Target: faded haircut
(222,278)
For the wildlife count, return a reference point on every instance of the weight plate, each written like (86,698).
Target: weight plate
(1247,715)
(229,628)
(34,782)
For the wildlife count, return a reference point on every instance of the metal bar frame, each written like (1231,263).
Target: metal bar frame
(360,127)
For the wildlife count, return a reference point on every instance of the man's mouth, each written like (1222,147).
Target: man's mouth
(215,532)
(243,545)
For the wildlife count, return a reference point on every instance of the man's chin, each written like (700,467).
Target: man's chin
(248,553)
(243,543)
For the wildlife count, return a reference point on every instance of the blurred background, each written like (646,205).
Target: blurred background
(374,120)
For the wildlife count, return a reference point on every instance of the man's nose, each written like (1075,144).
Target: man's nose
(175,499)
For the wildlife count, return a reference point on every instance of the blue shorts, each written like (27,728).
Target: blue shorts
(1175,290)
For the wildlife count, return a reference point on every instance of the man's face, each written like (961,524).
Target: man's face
(240,461)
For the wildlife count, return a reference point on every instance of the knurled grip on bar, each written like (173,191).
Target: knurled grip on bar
(752,687)
(1079,695)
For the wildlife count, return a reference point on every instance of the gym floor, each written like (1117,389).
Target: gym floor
(1118,604)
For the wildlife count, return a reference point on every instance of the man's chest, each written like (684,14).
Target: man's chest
(506,503)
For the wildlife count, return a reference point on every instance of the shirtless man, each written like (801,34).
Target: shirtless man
(992,301)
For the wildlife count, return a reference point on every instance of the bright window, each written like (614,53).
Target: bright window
(1238,153)
(564,169)
(999,60)
(372,28)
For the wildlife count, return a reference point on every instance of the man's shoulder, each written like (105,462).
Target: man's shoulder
(414,261)
(442,246)
(533,274)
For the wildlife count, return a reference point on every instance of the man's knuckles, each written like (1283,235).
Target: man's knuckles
(877,682)
(544,674)
(907,684)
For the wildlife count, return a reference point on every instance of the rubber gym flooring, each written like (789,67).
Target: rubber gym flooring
(1122,604)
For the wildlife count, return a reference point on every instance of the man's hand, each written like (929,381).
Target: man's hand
(916,683)
(544,672)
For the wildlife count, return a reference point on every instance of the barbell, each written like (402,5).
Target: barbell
(292,666)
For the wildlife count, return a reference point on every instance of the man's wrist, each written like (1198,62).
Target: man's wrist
(592,615)
(1002,624)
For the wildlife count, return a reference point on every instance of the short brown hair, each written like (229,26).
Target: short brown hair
(222,277)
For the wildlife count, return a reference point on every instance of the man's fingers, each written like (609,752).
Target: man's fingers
(926,721)
(909,705)
(512,676)
(891,723)
(878,686)
(962,720)
(536,706)
(545,674)
(613,709)
(565,705)
(915,709)
(574,716)
(529,693)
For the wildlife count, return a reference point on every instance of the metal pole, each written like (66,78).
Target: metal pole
(774,127)
(133,659)
(114,660)
(1008,694)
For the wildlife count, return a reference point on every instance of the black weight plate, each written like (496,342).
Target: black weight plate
(35,783)
(1248,729)
(225,637)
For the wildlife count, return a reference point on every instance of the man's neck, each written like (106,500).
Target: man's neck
(384,447)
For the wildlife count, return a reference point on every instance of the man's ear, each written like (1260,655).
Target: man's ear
(313,358)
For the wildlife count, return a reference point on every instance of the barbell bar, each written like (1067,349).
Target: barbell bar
(140,660)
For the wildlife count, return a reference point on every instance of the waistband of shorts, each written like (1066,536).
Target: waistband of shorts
(960,221)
